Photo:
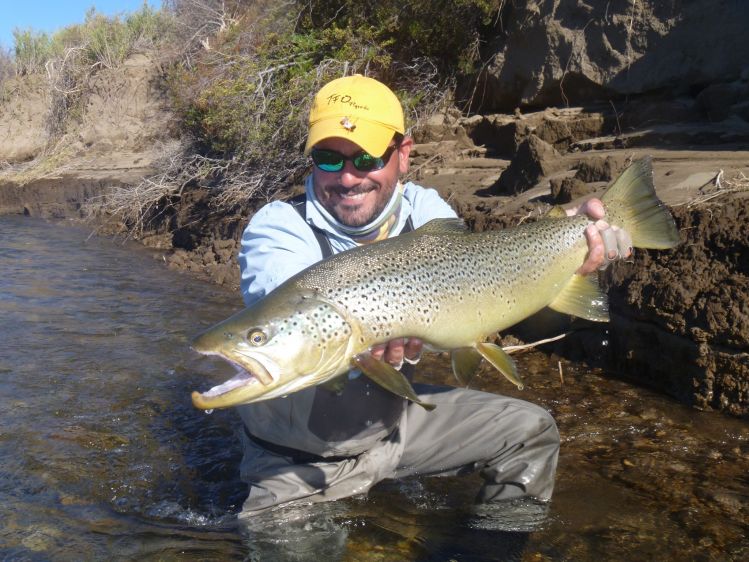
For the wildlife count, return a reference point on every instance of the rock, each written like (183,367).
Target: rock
(534,160)
(554,53)
(562,128)
(691,300)
(598,168)
(742,110)
(717,100)
(564,190)
(502,134)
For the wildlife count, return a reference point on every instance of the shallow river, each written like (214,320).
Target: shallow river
(102,456)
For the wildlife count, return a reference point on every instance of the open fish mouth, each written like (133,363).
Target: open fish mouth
(241,379)
(223,395)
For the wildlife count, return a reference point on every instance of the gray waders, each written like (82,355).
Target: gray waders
(317,446)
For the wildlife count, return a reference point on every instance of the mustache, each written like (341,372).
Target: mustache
(359,189)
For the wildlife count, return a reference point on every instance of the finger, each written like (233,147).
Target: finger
(412,351)
(610,245)
(395,351)
(624,242)
(594,259)
(377,351)
(594,208)
(602,224)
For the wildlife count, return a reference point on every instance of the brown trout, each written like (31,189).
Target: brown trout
(448,287)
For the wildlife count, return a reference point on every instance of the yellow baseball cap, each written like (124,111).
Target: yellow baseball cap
(360,109)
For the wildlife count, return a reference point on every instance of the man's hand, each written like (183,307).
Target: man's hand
(398,350)
(606,243)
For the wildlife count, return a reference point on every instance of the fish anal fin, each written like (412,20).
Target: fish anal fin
(388,377)
(583,297)
(501,361)
(466,362)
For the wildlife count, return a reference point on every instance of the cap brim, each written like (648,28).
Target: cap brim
(374,138)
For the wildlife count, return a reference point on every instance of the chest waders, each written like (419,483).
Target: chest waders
(325,400)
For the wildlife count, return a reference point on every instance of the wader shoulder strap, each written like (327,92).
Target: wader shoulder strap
(299,202)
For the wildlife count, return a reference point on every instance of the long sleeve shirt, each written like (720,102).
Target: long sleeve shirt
(276,245)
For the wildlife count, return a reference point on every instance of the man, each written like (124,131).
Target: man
(319,445)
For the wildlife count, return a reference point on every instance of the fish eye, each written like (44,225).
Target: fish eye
(257,337)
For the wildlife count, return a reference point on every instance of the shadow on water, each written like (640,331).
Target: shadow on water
(102,456)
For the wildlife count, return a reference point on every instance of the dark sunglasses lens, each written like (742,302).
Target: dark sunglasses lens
(327,160)
(365,162)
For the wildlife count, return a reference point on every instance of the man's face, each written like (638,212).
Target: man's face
(353,197)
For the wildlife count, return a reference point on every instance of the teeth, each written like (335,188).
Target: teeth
(355,196)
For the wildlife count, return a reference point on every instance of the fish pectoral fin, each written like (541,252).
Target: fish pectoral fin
(336,385)
(501,361)
(388,378)
(466,362)
(583,297)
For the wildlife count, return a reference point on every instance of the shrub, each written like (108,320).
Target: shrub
(7,65)
(108,41)
(246,98)
(32,51)
(247,72)
(448,33)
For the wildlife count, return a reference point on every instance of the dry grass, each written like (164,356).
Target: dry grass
(180,167)
(719,186)
(53,162)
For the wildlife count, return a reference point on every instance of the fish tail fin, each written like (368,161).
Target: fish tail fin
(631,203)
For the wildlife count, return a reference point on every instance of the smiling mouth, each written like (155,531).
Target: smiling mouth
(356,193)
(354,196)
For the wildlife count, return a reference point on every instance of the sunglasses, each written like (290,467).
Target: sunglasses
(333,161)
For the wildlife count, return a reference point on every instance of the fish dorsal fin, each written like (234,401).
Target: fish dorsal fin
(466,362)
(583,297)
(441,226)
(388,378)
(501,361)
(556,212)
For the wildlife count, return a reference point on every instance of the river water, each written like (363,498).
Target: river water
(103,457)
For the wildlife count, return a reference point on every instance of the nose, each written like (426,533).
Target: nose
(350,177)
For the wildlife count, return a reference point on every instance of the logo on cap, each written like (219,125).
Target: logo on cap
(346,99)
(347,124)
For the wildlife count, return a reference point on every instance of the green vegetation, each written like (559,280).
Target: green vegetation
(241,77)
(245,95)
(68,57)
(237,102)
(100,41)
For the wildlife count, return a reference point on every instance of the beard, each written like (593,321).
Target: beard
(356,206)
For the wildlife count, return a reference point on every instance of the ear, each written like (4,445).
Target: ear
(404,153)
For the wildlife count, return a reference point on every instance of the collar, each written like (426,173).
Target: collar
(379,229)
